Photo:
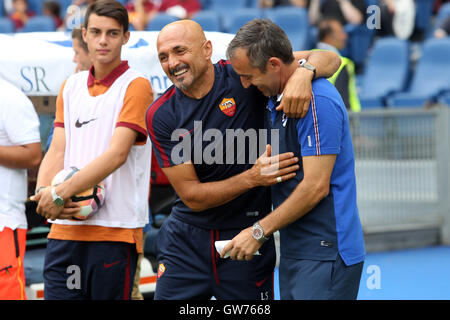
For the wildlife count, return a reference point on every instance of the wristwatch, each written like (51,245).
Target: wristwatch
(57,199)
(258,233)
(304,64)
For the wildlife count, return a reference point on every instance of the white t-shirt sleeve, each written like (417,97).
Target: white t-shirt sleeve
(21,122)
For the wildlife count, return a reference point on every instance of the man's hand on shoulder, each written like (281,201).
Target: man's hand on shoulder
(297,94)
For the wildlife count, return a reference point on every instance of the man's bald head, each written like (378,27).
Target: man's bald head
(185,56)
(183,29)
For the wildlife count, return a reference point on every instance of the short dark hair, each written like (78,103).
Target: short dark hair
(52,6)
(263,39)
(76,34)
(110,9)
(325,27)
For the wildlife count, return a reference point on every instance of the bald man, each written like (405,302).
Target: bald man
(221,187)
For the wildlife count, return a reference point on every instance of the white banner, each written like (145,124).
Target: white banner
(39,62)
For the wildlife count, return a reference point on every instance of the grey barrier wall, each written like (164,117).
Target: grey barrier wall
(402,170)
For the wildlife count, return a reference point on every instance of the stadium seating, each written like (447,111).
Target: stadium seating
(206,4)
(6,25)
(209,20)
(430,78)
(39,24)
(294,21)
(64,5)
(445,98)
(45,128)
(2,9)
(386,72)
(359,41)
(424,10)
(252,3)
(443,13)
(239,18)
(35,6)
(229,6)
(159,21)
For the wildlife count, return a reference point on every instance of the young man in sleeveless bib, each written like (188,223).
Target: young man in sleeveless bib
(100,129)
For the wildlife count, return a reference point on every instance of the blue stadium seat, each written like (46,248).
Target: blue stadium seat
(443,13)
(359,41)
(313,36)
(45,128)
(2,9)
(6,25)
(206,4)
(232,23)
(424,10)
(386,72)
(39,24)
(64,5)
(35,6)
(430,78)
(252,3)
(445,98)
(294,21)
(159,21)
(371,2)
(228,5)
(209,20)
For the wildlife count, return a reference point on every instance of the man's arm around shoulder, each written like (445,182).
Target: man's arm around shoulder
(200,196)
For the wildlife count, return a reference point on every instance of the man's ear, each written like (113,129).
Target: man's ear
(208,49)
(273,64)
(83,33)
(126,37)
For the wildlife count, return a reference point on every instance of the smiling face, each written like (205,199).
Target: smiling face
(104,37)
(184,54)
(268,82)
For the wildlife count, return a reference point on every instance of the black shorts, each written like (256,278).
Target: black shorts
(85,270)
(189,267)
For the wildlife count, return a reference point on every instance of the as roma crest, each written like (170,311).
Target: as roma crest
(161,269)
(228,106)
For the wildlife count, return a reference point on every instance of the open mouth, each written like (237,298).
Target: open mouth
(180,70)
(179,73)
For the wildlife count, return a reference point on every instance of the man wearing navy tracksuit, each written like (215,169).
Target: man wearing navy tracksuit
(322,246)
(186,240)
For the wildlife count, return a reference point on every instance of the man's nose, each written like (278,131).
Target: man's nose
(172,62)
(103,39)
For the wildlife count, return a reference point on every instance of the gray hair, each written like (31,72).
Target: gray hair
(263,39)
